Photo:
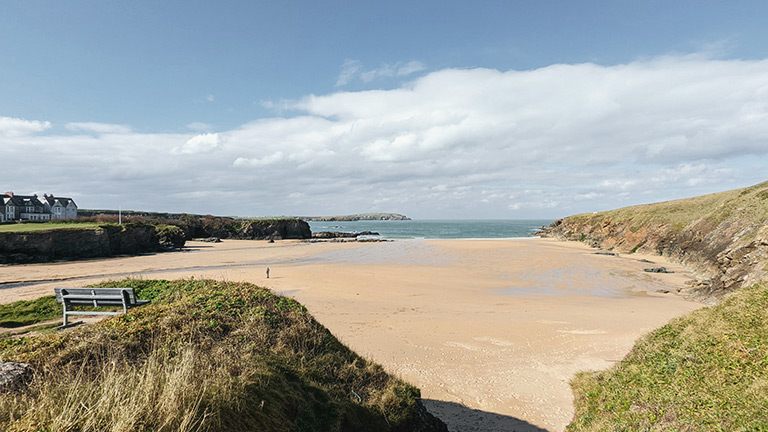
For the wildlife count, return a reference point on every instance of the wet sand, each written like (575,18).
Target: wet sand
(490,330)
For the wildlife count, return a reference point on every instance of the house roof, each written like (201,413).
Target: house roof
(21,200)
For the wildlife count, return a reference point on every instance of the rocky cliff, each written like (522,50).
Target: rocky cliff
(87,242)
(199,226)
(722,237)
(276,229)
(257,229)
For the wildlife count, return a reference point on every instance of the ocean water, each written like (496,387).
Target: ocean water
(438,229)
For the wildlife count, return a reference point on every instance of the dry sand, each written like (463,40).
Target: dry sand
(490,330)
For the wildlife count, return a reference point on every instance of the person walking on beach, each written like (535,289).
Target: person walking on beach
(267,272)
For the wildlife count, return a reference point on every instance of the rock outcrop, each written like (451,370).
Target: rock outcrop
(14,376)
(722,238)
(256,229)
(276,229)
(336,234)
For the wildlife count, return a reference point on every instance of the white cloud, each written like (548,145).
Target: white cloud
(203,143)
(352,69)
(259,162)
(452,143)
(395,70)
(10,126)
(200,126)
(99,128)
(349,69)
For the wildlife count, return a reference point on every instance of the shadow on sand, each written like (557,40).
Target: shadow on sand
(460,418)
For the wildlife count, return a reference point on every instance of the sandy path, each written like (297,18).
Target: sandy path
(490,330)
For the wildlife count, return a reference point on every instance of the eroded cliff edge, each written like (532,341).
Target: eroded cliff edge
(722,237)
(87,242)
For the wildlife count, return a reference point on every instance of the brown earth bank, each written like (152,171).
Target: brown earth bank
(722,238)
(491,330)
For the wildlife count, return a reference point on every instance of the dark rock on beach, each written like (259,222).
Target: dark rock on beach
(208,239)
(658,270)
(335,234)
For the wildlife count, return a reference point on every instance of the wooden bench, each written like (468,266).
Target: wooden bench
(96,297)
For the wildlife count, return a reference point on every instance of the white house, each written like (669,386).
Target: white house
(32,207)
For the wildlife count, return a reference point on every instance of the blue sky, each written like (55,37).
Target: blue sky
(491,109)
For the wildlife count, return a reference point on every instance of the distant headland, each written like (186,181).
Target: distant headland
(164,215)
(356,217)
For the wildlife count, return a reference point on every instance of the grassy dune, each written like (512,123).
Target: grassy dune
(204,356)
(706,371)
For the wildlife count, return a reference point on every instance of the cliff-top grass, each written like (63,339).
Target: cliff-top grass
(47,226)
(706,371)
(204,356)
(748,204)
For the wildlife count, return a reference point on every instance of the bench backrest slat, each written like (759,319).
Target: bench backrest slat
(92,295)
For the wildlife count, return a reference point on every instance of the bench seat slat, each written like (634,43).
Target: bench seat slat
(94,313)
(84,297)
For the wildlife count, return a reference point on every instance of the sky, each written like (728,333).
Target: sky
(433,109)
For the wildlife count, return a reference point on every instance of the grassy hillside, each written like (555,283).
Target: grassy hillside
(203,356)
(723,237)
(706,371)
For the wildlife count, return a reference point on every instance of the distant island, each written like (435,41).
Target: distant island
(356,217)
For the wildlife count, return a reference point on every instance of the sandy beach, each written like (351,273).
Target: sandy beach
(490,330)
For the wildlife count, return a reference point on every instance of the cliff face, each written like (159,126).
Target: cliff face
(722,237)
(275,229)
(259,229)
(103,241)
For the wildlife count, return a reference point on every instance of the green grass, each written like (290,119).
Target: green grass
(31,227)
(26,312)
(205,356)
(706,371)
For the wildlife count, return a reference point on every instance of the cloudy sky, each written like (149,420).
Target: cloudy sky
(434,109)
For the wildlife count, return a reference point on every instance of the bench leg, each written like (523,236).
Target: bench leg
(65,316)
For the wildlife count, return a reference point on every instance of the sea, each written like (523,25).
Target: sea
(437,229)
